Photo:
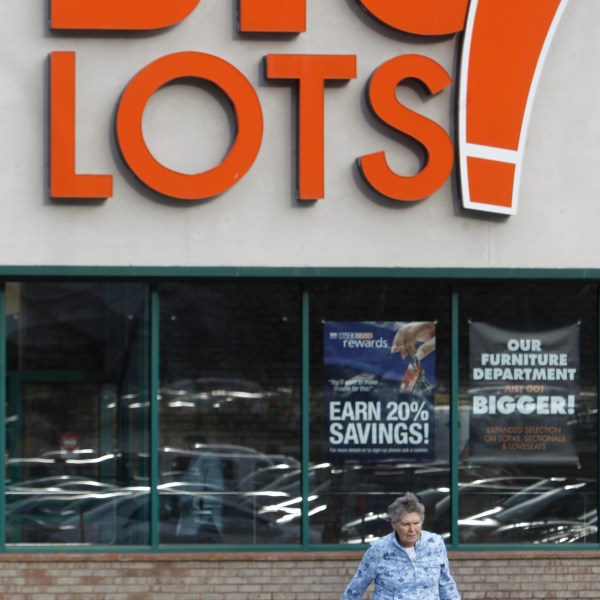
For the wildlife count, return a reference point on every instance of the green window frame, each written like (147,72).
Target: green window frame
(453,277)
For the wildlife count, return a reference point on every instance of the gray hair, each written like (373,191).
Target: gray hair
(408,503)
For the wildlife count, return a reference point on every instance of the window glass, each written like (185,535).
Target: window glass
(379,404)
(76,420)
(229,405)
(528,374)
(230,426)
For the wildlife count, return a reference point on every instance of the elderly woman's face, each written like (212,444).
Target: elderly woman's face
(408,528)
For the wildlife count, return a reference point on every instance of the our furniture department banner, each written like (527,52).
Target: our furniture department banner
(524,394)
(379,391)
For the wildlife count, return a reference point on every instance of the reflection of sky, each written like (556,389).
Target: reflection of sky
(378,361)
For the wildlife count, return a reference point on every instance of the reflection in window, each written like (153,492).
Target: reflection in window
(230,422)
(529,471)
(77,423)
(374,381)
(78,411)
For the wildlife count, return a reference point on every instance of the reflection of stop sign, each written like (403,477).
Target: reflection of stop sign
(69,442)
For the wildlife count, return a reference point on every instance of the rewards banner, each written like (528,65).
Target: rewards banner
(524,394)
(379,391)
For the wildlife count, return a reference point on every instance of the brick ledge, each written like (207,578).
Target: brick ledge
(260,556)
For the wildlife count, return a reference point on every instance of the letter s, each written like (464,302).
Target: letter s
(437,143)
(336,433)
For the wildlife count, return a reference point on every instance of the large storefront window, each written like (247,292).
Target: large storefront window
(379,405)
(230,427)
(529,373)
(77,442)
(289,413)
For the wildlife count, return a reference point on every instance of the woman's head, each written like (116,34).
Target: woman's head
(407,515)
(408,503)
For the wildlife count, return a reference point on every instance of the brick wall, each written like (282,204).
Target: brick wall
(570,575)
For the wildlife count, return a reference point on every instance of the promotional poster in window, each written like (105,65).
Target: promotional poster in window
(379,391)
(524,394)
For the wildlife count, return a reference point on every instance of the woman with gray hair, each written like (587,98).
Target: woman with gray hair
(408,564)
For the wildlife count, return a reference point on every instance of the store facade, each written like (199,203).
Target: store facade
(267,265)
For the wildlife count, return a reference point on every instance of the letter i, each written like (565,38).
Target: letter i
(275,16)
(505,45)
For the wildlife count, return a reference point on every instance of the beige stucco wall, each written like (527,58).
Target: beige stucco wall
(259,222)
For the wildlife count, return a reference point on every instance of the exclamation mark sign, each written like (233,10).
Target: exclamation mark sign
(273,16)
(505,45)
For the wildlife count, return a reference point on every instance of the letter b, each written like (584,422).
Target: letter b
(136,15)
(480,405)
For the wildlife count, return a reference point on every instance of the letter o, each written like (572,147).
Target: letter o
(513,345)
(534,389)
(248,116)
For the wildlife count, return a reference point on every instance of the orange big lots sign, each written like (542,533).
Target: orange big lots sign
(504,46)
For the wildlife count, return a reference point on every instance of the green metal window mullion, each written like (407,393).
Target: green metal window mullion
(454,413)
(3,380)
(598,403)
(154,417)
(305,415)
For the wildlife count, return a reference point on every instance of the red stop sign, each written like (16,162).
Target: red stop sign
(69,442)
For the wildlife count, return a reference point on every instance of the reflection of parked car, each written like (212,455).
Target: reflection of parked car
(570,501)
(126,520)
(374,525)
(357,496)
(78,463)
(61,483)
(551,531)
(239,463)
(196,392)
(267,477)
(75,510)
(501,510)
(35,506)
(344,501)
